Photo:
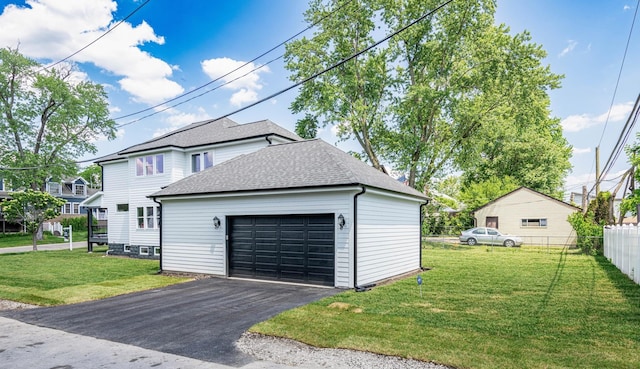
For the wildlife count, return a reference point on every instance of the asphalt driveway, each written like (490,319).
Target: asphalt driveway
(200,319)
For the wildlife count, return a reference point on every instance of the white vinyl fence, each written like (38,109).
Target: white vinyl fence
(52,227)
(622,247)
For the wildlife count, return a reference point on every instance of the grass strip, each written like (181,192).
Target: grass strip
(63,277)
(485,307)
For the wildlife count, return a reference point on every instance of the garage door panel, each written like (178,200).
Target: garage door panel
(296,248)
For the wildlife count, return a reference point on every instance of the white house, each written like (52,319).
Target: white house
(270,206)
(131,175)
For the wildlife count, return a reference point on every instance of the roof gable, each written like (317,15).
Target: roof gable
(300,164)
(523,188)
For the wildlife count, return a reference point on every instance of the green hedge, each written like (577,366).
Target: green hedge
(77,223)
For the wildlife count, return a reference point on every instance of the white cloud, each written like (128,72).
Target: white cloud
(576,123)
(626,7)
(571,45)
(577,151)
(53,29)
(245,80)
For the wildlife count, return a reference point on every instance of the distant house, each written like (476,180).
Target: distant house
(256,201)
(73,191)
(539,219)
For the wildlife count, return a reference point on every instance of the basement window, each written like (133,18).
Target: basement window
(144,250)
(156,251)
(127,248)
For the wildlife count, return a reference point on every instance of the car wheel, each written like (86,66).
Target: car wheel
(471,241)
(509,243)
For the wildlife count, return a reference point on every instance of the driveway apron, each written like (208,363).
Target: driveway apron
(200,319)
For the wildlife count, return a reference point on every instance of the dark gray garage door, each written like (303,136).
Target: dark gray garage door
(292,248)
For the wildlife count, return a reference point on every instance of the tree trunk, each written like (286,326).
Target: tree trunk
(35,240)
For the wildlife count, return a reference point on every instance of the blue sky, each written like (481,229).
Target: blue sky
(168,48)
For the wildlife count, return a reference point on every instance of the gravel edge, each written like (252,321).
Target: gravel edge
(288,352)
(12,305)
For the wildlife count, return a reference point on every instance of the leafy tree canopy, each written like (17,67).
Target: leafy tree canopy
(31,208)
(48,118)
(452,92)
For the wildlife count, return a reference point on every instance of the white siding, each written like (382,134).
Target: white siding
(116,191)
(225,153)
(143,186)
(191,244)
(388,241)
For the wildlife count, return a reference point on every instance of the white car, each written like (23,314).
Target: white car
(489,236)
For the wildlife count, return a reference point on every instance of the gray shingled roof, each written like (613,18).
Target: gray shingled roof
(211,132)
(301,164)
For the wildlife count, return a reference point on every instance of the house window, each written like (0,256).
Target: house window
(156,251)
(80,189)
(67,208)
(76,208)
(148,217)
(54,188)
(149,165)
(127,248)
(120,208)
(539,222)
(201,161)
(144,250)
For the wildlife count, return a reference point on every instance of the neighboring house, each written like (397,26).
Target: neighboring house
(539,219)
(298,212)
(270,207)
(73,191)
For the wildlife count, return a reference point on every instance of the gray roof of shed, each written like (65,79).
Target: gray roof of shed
(207,133)
(293,165)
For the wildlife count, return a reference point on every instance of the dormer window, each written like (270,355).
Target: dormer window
(80,189)
(201,161)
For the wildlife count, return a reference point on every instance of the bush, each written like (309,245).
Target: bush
(589,232)
(77,223)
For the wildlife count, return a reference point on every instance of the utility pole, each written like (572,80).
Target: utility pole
(597,170)
(584,200)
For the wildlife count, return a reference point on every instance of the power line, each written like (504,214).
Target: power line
(227,74)
(97,39)
(624,57)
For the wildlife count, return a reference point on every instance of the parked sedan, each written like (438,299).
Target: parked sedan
(489,236)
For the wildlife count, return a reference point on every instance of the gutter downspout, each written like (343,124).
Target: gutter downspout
(420,242)
(160,230)
(268,140)
(355,241)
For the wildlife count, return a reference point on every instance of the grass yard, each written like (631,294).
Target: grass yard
(485,307)
(65,277)
(21,239)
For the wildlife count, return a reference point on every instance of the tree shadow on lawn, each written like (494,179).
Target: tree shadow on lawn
(627,287)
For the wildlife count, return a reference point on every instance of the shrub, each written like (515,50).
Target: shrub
(77,223)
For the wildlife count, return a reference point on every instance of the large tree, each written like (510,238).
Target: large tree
(48,118)
(424,101)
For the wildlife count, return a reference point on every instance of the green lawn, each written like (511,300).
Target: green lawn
(21,239)
(485,307)
(64,277)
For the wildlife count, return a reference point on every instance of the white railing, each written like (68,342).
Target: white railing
(622,248)
(52,227)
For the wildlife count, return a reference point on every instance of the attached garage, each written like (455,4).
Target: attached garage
(302,212)
(289,248)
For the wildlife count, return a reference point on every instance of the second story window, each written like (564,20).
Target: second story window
(149,165)
(80,190)
(201,161)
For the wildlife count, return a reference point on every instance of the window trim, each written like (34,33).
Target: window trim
(143,217)
(119,208)
(156,251)
(127,248)
(536,222)
(146,248)
(149,165)
(201,160)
